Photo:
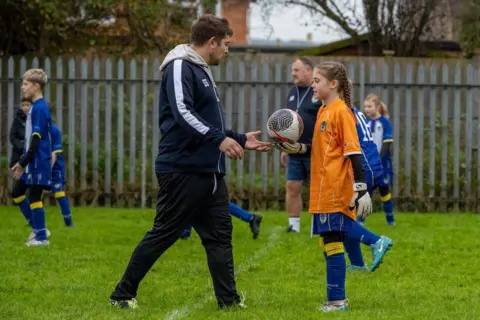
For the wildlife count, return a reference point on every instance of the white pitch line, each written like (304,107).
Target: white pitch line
(179,313)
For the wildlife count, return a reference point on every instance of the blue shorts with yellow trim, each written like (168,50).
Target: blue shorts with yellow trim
(57,187)
(376,179)
(58,177)
(326,222)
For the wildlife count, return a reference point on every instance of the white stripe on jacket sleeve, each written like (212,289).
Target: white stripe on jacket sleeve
(179,99)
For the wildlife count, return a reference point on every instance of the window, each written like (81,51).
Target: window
(201,6)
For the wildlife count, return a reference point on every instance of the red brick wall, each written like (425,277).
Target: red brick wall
(235,11)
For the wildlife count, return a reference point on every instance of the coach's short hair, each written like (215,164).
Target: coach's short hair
(36,75)
(306,62)
(209,26)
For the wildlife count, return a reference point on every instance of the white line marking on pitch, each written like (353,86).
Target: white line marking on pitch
(251,261)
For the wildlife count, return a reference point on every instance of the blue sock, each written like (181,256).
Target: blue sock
(336,271)
(24,205)
(388,207)
(354,252)
(238,212)
(358,232)
(38,217)
(64,207)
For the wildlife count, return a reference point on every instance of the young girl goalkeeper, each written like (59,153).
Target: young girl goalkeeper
(338,190)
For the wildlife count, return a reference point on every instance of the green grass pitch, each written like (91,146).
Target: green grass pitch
(432,271)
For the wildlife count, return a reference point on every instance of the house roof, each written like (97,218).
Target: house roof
(325,49)
(330,47)
(259,48)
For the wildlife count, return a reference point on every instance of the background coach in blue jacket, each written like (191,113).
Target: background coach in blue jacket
(190,164)
(301,100)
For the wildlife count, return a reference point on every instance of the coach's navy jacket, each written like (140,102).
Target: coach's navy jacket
(190,116)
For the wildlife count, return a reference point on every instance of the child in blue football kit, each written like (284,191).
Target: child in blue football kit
(58,174)
(33,172)
(381,131)
(374,178)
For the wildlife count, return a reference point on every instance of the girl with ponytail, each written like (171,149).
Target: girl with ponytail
(338,190)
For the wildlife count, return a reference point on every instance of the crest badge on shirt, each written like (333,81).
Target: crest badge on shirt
(323,126)
(314,99)
(291,98)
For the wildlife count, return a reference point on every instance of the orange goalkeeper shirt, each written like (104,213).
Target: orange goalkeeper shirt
(331,176)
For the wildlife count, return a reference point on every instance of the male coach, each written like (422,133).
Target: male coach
(301,100)
(190,165)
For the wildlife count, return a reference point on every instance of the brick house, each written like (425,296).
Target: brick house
(235,11)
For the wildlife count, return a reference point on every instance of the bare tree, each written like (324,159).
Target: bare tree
(398,25)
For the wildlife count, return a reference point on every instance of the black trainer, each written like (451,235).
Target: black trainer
(255,224)
(124,304)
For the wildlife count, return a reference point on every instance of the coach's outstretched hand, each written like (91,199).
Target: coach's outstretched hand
(231,148)
(254,144)
(361,200)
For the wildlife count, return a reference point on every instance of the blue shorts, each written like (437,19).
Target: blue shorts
(57,187)
(326,222)
(58,182)
(377,179)
(298,168)
(37,179)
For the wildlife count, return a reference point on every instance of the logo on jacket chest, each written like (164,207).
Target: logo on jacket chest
(205,83)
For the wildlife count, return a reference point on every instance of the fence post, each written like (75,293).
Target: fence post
(456,139)
(83,130)
(133,132)
(445,132)
(59,86)
(432,135)
(396,132)
(253,127)
(143,196)
(408,133)
(468,142)
(108,133)
(71,129)
(420,137)
(265,155)
(96,129)
(120,132)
